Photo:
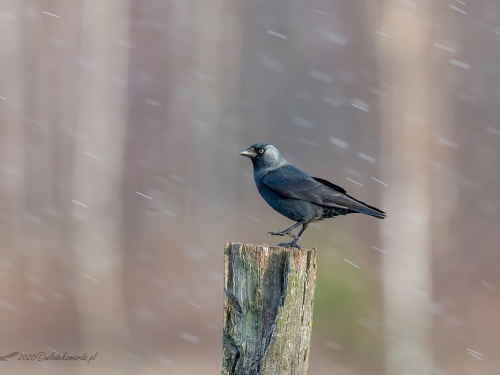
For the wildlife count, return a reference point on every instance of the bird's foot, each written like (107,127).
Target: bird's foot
(278,233)
(294,236)
(289,244)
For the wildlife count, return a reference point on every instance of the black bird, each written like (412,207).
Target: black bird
(296,194)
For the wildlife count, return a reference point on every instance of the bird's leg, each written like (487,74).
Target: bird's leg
(295,237)
(304,226)
(287,231)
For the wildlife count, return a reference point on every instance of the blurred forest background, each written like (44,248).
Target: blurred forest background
(121,123)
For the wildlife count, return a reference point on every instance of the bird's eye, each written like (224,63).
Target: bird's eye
(261,151)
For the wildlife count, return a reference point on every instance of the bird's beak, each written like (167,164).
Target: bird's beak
(249,152)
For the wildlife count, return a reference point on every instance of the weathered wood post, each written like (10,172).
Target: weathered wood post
(268,307)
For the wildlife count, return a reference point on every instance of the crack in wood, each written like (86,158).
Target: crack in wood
(268,300)
(234,302)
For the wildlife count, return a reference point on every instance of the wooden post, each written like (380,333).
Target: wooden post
(268,307)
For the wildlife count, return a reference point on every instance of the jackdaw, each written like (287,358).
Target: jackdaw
(296,194)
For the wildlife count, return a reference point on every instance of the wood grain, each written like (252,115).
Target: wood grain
(268,308)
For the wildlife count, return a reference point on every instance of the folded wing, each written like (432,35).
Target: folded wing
(293,183)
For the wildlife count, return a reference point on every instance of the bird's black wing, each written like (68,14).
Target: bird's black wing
(293,183)
(329,184)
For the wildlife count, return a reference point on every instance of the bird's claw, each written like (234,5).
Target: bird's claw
(289,244)
(277,233)
(295,237)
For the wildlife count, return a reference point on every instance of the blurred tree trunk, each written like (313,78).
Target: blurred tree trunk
(204,113)
(98,176)
(212,121)
(445,189)
(405,134)
(12,157)
(41,220)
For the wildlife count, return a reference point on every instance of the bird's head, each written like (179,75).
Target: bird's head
(264,156)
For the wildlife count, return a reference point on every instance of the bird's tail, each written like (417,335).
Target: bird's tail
(367,209)
(372,211)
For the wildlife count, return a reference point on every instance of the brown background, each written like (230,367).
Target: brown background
(107,98)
